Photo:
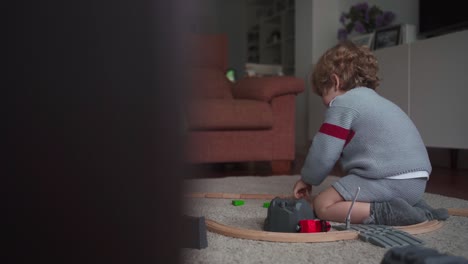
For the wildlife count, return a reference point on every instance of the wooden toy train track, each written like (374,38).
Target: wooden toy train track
(238,232)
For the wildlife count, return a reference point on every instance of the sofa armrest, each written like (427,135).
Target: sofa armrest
(266,88)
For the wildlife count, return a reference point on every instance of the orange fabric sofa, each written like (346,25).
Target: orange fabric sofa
(252,119)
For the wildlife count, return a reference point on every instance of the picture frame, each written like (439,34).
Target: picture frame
(387,37)
(364,40)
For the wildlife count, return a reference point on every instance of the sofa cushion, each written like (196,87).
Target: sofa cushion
(210,83)
(228,114)
(267,88)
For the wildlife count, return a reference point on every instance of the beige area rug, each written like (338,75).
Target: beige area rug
(452,238)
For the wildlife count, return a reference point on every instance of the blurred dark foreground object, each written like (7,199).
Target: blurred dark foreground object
(419,255)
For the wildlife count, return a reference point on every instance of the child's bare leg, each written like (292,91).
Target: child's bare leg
(329,205)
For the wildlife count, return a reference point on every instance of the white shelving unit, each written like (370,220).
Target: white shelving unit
(270,33)
(428,80)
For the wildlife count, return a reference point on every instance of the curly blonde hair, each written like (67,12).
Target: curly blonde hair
(354,65)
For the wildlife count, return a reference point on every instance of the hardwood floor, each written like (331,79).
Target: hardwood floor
(443,181)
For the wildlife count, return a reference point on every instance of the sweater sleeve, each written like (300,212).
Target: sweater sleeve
(327,145)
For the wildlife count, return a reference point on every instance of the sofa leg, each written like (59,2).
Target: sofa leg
(281,167)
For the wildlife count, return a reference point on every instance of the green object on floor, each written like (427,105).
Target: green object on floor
(231,75)
(237,202)
(266,205)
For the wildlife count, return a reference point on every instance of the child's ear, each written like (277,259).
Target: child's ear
(336,82)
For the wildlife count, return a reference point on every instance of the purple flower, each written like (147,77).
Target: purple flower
(343,18)
(361,6)
(359,27)
(364,19)
(388,17)
(379,21)
(342,34)
(367,16)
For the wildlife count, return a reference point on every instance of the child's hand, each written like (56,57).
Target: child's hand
(302,190)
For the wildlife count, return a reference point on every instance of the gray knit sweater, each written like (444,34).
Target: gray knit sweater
(371,136)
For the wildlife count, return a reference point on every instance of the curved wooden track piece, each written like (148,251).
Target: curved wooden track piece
(421,228)
(331,236)
(458,211)
(238,232)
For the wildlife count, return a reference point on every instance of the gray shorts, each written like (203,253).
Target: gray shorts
(379,190)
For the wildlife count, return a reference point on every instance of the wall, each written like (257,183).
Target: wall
(232,21)
(316,26)
(303,58)
(226,16)
(205,18)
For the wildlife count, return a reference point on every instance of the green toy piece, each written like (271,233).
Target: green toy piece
(266,205)
(231,75)
(237,202)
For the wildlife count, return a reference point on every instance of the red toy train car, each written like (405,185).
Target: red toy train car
(313,226)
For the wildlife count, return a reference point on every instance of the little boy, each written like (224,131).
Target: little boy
(377,144)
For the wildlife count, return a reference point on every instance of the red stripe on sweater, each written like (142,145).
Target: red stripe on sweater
(335,131)
(350,136)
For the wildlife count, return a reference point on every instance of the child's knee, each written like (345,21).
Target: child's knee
(320,208)
(324,200)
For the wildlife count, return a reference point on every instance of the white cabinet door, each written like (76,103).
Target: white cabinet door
(394,75)
(439,89)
